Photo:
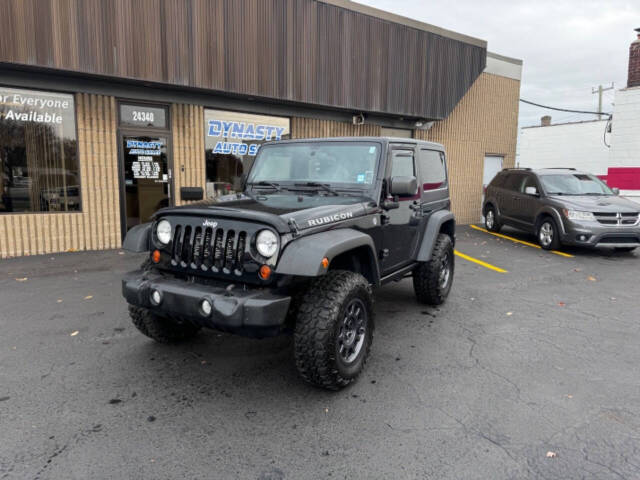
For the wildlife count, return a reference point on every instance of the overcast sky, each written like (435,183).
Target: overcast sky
(568,46)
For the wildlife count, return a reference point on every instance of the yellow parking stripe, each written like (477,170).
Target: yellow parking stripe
(480,262)
(528,244)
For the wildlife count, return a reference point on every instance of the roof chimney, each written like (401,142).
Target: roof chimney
(633,80)
(545,121)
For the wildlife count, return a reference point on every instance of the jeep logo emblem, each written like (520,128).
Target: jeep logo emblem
(209,223)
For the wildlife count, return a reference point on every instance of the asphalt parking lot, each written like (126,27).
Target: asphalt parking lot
(530,373)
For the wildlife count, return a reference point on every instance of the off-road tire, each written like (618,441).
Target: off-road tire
(321,313)
(427,280)
(161,329)
(494,226)
(555,239)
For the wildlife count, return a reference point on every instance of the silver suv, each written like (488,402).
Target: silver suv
(562,206)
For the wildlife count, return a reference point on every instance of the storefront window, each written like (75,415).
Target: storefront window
(232,141)
(39,169)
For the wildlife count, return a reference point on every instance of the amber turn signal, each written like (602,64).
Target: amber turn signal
(325,262)
(155,256)
(265,272)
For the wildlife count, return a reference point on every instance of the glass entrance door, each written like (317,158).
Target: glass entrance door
(146,177)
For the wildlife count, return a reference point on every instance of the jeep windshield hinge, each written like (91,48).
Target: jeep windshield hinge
(294,227)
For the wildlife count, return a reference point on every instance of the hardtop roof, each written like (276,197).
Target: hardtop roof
(384,140)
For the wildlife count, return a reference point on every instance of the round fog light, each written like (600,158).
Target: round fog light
(205,306)
(156,297)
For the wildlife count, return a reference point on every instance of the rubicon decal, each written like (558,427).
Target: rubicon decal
(330,218)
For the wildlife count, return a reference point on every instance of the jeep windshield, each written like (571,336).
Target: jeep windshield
(316,166)
(574,184)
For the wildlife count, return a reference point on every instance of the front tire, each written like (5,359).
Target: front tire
(161,329)
(334,329)
(548,234)
(432,280)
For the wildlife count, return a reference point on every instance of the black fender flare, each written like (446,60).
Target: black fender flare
(493,203)
(137,239)
(551,212)
(303,256)
(434,224)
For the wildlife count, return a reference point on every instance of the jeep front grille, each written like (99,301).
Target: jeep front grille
(208,248)
(627,219)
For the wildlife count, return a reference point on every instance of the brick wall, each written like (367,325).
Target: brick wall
(633,78)
(189,170)
(485,122)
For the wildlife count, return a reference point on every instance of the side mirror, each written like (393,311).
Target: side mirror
(531,191)
(403,186)
(616,191)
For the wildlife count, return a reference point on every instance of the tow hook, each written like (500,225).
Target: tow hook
(229,289)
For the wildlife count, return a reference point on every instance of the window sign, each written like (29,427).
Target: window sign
(232,141)
(139,115)
(145,157)
(39,169)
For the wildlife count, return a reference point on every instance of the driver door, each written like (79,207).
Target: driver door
(400,225)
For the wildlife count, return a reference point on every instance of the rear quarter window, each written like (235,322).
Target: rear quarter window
(433,173)
(498,180)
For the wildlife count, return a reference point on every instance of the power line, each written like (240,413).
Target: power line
(564,109)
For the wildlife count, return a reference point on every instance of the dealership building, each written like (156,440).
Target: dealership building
(111,110)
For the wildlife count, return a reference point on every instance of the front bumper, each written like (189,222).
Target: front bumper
(596,235)
(253,312)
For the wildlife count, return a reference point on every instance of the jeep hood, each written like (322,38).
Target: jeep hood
(280,210)
(597,203)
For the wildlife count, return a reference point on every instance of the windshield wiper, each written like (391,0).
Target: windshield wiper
(324,186)
(264,183)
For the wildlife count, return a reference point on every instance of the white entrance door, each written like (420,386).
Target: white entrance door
(492,165)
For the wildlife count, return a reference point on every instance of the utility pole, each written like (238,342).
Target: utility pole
(599,91)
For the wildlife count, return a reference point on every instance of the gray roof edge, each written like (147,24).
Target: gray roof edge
(409,22)
(515,61)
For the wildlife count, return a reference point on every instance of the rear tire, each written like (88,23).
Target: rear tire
(334,329)
(161,329)
(548,234)
(432,280)
(491,220)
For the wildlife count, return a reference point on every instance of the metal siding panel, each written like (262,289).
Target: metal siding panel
(302,51)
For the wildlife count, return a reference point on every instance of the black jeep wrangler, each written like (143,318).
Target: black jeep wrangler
(319,224)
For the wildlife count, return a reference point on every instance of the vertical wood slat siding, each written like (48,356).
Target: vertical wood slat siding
(188,148)
(485,122)
(302,51)
(98,225)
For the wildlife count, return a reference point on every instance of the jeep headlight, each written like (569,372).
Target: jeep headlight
(163,231)
(267,243)
(578,215)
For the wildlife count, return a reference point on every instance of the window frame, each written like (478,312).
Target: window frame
(80,173)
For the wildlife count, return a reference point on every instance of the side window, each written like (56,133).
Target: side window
(402,164)
(433,173)
(514,182)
